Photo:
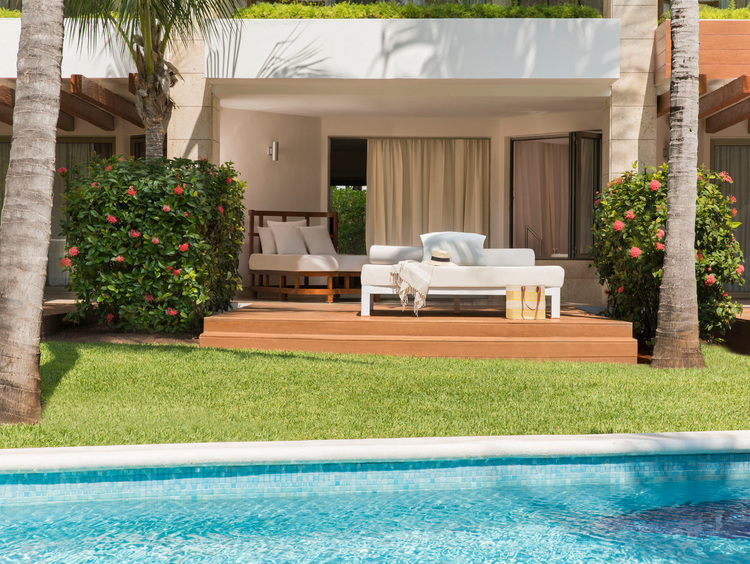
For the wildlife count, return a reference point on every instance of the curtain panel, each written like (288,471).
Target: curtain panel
(417,186)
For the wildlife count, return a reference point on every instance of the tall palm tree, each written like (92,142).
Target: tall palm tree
(147,28)
(677,338)
(26,217)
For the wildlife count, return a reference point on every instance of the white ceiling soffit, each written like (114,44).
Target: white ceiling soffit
(411,98)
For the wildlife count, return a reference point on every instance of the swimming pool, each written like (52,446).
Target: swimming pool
(650,498)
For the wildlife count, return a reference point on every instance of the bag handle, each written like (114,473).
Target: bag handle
(523,302)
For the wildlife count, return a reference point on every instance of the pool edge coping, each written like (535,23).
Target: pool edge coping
(371,450)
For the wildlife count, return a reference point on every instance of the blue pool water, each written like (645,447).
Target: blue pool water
(612,517)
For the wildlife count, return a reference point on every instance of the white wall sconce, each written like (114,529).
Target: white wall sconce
(273,151)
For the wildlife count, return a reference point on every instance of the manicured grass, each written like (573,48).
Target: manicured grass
(125,394)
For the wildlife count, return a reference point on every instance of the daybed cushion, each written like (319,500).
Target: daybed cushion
(307,263)
(288,239)
(474,276)
(267,242)
(393,254)
(318,240)
(465,249)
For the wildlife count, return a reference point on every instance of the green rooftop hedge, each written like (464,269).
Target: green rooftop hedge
(391,10)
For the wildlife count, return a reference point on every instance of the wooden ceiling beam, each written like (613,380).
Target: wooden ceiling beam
(728,117)
(79,108)
(731,93)
(65,121)
(6,115)
(104,98)
(662,101)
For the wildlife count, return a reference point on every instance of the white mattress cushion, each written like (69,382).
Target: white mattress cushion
(509,257)
(393,254)
(465,249)
(475,276)
(293,263)
(351,263)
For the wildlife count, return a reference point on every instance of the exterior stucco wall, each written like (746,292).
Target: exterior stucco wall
(293,182)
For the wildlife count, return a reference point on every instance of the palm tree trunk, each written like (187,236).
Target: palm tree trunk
(154,105)
(26,223)
(677,337)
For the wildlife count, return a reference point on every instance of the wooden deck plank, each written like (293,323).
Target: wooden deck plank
(477,332)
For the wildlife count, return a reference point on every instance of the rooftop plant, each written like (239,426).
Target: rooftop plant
(5,13)
(392,10)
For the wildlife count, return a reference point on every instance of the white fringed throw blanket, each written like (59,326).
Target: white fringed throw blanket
(412,277)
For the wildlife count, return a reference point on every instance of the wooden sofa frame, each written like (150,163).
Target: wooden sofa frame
(337,282)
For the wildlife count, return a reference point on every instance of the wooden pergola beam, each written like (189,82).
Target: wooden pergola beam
(79,108)
(731,93)
(65,121)
(104,98)
(662,101)
(728,117)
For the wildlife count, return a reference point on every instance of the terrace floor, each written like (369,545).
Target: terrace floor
(478,331)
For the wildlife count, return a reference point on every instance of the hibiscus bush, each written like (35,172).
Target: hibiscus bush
(152,244)
(630,239)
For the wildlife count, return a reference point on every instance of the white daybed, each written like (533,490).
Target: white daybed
(500,268)
(280,272)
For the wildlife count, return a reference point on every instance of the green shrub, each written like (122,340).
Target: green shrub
(6,13)
(629,238)
(152,244)
(393,10)
(351,206)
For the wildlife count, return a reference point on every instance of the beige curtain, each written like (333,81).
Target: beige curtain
(417,186)
(541,196)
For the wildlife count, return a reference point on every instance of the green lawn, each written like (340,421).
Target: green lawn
(123,394)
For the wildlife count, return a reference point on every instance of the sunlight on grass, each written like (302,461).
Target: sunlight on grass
(129,394)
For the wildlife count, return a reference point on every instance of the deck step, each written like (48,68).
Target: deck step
(594,349)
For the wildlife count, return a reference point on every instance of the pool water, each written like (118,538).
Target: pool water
(682,522)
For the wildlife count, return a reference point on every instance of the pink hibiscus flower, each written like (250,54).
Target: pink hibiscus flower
(65,261)
(111,219)
(660,234)
(734,211)
(177,271)
(630,214)
(725,177)
(654,185)
(732,200)
(171,311)
(134,234)
(120,258)
(740,269)
(635,252)
(155,240)
(166,208)
(618,225)
(131,191)
(621,289)
(178,190)
(72,251)
(149,298)
(221,210)
(710,279)
(183,247)
(62,170)
(660,246)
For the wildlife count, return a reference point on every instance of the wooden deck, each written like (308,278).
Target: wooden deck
(477,332)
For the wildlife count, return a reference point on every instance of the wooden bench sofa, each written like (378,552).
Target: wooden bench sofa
(285,274)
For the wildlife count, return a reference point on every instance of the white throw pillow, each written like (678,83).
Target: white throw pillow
(288,239)
(318,240)
(465,249)
(267,242)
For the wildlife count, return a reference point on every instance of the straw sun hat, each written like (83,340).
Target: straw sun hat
(440,258)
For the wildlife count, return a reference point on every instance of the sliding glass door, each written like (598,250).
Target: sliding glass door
(554,181)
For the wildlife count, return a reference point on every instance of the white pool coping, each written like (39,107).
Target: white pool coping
(370,450)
